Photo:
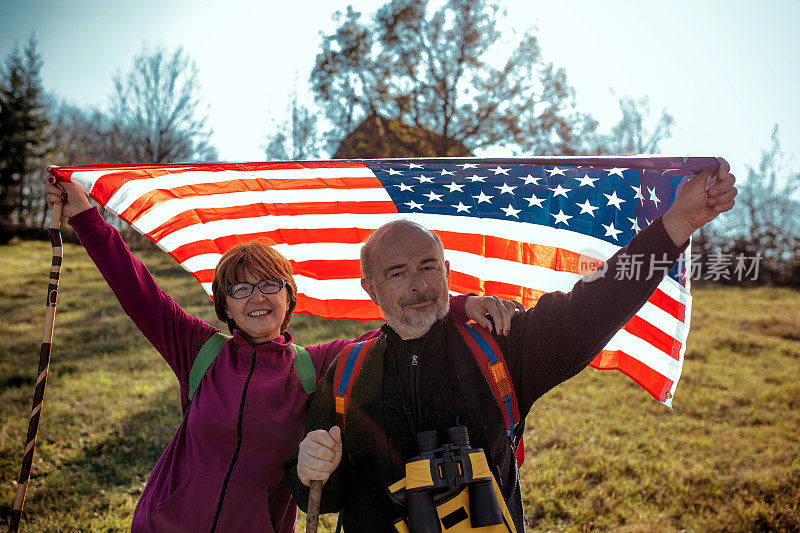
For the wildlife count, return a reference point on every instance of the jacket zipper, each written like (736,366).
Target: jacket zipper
(238,444)
(414,366)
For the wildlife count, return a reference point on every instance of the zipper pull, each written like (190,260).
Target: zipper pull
(414,360)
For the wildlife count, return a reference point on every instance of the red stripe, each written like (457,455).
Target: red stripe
(280,236)
(317,269)
(668,304)
(204,216)
(650,380)
(349,309)
(156,197)
(212,167)
(107,185)
(649,333)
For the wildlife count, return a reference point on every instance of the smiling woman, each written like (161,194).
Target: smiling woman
(253,288)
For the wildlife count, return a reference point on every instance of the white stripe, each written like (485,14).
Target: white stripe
(644,352)
(166,210)
(132,190)
(86,179)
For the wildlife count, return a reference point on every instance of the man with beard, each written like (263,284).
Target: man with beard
(420,375)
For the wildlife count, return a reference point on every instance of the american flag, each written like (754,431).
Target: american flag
(514,228)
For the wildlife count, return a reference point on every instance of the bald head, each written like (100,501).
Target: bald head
(406,275)
(393,232)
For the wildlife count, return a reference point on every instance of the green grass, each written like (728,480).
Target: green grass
(601,453)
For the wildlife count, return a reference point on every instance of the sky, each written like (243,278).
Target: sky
(728,71)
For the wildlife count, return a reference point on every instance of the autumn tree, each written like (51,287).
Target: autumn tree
(430,71)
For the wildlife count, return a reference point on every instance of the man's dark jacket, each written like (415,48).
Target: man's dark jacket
(393,398)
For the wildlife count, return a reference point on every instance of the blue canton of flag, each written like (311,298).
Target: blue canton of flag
(611,204)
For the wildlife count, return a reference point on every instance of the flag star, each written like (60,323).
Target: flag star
(586,180)
(617,171)
(506,188)
(499,170)
(455,187)
(465,166)
(614,200)
(414,165)
(530,179)
(414,205)
(611,231)
(653,196)
(586,207)
(533,200)
(433,196)
(635,225)
(483,198)
(447,172)
(423,179)
(404,187)
(461,207)
(510,211)
(554,171)
(559,191)
(393,172)
(475,178)
(561,217)
(638,191)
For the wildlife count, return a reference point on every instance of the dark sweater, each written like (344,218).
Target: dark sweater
(392,399)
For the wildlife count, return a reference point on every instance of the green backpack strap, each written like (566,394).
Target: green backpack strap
(302,363)
(205,357)
(305,368)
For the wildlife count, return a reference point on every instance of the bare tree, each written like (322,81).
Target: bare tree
(637,132)
(155,115)
(297,138)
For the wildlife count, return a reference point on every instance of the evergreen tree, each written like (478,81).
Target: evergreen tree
(23,132)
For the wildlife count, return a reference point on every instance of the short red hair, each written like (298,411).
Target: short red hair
(260,260)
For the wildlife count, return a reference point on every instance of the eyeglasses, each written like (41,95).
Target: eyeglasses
(245,289)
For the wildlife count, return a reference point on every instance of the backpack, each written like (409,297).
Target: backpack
(486,353)
(302,363)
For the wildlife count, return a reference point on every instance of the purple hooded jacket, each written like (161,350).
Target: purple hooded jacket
(222,470)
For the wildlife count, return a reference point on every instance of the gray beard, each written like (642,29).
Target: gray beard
(412,324)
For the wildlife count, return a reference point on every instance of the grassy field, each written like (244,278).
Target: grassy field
(601,453)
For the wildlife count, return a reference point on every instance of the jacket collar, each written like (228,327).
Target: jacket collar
(278,344)
(433,339)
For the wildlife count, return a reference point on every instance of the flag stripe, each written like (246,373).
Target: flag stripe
(148,202)
(647,378)
(205,217)
(119,194)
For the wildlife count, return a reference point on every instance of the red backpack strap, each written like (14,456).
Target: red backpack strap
(490,358)
(347,368)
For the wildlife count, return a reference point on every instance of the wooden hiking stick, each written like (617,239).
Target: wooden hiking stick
(314,497)
(44,364)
